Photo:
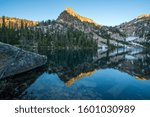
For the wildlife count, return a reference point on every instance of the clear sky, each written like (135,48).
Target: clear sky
(105,12)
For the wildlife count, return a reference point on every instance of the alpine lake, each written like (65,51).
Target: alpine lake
(120,74)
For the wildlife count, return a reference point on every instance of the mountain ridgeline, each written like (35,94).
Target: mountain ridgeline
(71,30)
(139,28)
(12,22)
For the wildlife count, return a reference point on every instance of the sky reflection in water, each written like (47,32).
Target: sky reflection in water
(103,84)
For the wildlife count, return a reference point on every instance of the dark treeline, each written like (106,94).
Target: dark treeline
(46,33)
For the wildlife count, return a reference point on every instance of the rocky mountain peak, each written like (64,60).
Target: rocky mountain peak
(70,11)
(75,15)
(143,16)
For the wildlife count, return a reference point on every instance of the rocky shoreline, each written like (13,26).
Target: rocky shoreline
(15,60)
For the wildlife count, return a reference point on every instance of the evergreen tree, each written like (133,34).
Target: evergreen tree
(3,23)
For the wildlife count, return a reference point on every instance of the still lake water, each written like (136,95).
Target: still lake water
(84,74)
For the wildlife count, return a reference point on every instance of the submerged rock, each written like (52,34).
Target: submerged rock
(14,60)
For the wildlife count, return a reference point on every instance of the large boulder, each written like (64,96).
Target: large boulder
(14,60)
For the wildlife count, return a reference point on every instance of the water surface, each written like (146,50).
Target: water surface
(84,74)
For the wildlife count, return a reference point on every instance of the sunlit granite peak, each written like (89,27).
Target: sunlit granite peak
(143,16)
(13,22)
(79,17)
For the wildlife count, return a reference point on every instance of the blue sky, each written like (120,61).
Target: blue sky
(105,12)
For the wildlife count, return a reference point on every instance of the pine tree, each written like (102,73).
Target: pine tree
(3,23)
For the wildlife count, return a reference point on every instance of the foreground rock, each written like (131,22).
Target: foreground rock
(14,60)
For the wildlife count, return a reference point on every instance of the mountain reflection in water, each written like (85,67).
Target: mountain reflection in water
(87,74)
